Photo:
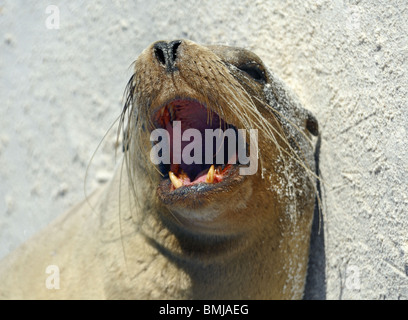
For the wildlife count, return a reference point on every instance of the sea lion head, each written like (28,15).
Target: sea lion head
(180,85)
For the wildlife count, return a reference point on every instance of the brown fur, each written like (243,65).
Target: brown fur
(245,240)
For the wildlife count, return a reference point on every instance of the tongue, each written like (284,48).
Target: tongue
(212,176)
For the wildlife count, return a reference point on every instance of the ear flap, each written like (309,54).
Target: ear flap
(312,125)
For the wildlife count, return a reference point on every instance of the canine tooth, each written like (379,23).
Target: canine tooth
(175,181)
(210,175)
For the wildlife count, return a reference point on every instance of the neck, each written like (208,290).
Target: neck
(171,263)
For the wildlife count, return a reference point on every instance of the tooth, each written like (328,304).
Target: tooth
(176,181)
(210,175)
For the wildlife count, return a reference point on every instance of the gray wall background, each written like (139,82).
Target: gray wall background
(60,91)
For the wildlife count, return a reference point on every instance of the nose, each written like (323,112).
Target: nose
(166,53)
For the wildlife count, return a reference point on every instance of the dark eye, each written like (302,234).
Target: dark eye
(254,71)
(312,125)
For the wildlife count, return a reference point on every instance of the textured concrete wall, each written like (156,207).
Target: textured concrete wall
(61,89)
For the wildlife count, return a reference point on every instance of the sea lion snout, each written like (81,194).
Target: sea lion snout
(166,53)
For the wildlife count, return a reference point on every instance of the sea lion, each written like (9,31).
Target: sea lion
(187,231)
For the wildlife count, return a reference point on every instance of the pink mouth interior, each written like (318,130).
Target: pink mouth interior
(193,114)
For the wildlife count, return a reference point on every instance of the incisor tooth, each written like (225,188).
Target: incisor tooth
(210,175)
(175,181)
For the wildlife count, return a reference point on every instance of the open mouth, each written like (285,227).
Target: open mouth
(201,161)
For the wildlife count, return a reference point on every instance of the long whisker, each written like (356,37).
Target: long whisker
(271,131)
(92,158)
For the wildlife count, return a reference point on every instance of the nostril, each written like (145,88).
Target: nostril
(175,45)
(158,51)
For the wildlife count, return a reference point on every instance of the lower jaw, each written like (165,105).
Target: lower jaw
(198,195)
(202,227)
